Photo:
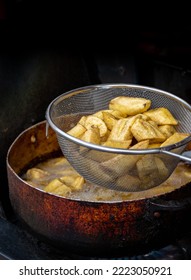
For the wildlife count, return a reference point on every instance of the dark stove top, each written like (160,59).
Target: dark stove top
(20,244)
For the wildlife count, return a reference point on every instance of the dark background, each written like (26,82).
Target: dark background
(47,48)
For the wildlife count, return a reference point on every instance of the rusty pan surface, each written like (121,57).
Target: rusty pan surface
(85,225)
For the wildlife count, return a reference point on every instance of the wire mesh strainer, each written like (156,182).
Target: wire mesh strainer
(115,168)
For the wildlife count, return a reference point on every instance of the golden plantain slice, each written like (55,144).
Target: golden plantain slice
(167,130)
(78,183)
(109,120)
(62,190)
(96,122)
(74,182)
(36,173)
(121,131)
(115,113)
(175,138)
(161,116)
(56,186)
(154,145)
(53,185)
(118,144)
(77,131)
(99,114)
(140,145)
(82,120)
(92,135)
(105,137)
(143,130)
(68,180)
(130,106)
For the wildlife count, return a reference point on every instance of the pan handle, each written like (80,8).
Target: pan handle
(170,205)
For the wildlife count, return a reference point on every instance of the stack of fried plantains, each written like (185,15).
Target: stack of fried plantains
(130,123)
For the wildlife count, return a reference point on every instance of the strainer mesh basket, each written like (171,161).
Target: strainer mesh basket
(100,164)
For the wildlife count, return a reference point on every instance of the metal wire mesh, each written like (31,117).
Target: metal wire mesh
(100,164)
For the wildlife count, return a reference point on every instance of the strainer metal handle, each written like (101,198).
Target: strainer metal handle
(186,156)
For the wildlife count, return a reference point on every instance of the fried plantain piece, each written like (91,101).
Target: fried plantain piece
(92,135)
(36,173)
(167,130)
(109,120)
(105,137)
(161,116)
(143,130)
(82,120)
(57,187)
(78,183)
(93,121)
(150,170)
(140,145)
(118,144)
(115,113)
(77,131)
(122,164)
(130,106)
(154,145)
(128,181)
(175,138)
(121,131)
(74,182)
